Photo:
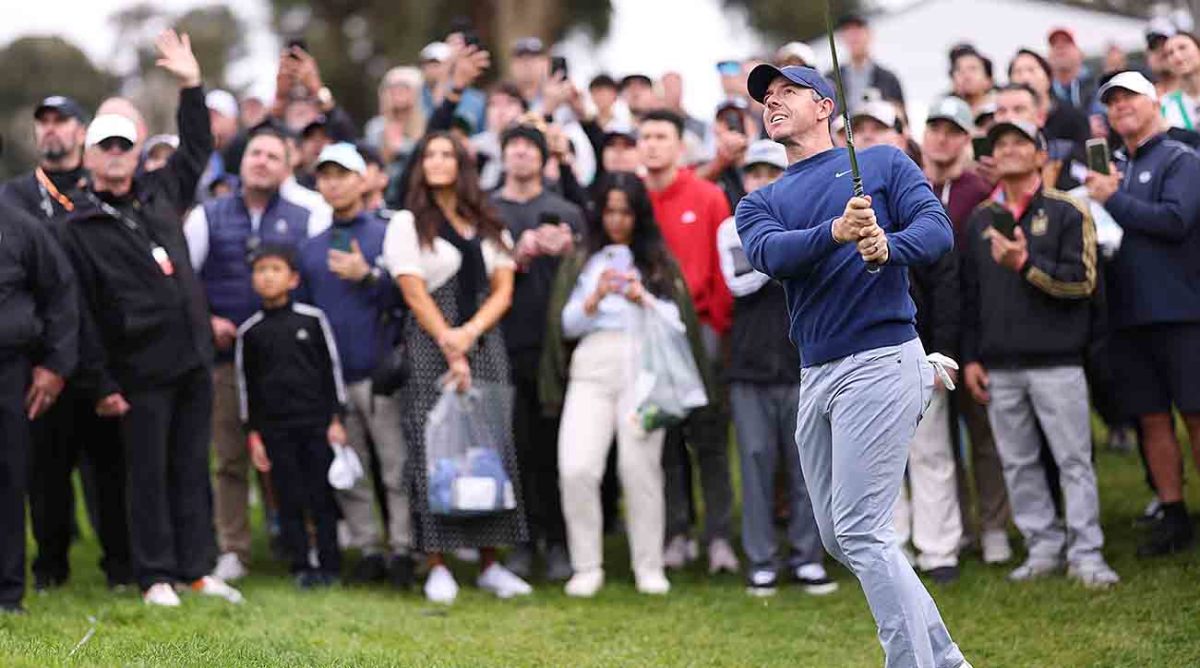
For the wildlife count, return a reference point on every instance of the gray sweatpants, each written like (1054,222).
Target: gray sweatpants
(1056,398)
(378,419)
(856,419)
(764,416)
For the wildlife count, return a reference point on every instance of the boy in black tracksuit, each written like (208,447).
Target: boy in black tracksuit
(292,397)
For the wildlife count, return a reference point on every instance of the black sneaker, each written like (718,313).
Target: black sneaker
(1167,537)
(762,583)
(401,571)
(371,568)
(943,575)
(558,563)
(520,561)
(316,580)
(814,580)
(1151,516)
(43,582)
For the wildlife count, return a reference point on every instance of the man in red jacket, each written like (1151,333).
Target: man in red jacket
(689,210)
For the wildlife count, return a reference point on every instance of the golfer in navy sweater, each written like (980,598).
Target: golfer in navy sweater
(864,380)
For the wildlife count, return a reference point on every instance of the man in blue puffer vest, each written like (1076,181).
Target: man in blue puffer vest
(222,235)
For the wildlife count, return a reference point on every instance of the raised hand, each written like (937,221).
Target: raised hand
(175,56)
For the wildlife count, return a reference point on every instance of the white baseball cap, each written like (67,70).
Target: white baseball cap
(107,126)
(344,155)
(884,112)
(223,102)
(765,152)
(1134,82)
(797,50)
(436,52)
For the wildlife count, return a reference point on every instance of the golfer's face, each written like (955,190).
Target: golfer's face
(790,110)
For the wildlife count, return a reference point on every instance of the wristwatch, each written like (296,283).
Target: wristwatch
(325,98)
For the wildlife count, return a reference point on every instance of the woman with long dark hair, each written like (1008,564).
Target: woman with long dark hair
(594,305)
(450,255)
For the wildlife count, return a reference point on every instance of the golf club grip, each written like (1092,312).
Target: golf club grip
(872,268)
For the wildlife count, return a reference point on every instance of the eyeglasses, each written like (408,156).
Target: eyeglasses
(729,68)
(120,143)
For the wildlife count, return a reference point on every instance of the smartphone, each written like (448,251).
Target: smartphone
(733,122)
(1003,221)
(982,147)
(548,218)
(340,241)
(1097,155)
(741,264)
(558,66)
(298,43)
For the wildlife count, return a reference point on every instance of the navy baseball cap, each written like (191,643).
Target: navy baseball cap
(63,105)
(762,76)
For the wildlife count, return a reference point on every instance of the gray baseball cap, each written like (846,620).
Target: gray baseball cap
(765,152)
(953,109)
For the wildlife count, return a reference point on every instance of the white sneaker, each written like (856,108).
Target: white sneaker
(585,584)
(654,583)
(721,557)
(1093,574)
(1033,569)
(440,586)
(213,586)
(230,568)
(995,545)
(675,555)
(815,580)
(502,582)
(161,594)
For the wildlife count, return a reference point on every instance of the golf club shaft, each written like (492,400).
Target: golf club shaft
(855,174)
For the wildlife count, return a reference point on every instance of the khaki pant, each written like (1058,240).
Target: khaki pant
(377,419)
(932,519)
(597,405)
(232,489)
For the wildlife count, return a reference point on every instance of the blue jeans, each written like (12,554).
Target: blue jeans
(857,416)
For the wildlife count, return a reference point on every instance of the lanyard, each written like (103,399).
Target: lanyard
(946,194)
(48,190)
(157,252)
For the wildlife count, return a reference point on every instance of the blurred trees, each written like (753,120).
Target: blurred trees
(356,41)
(32,68)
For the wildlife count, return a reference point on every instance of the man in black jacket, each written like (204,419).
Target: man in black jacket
(928,510)
(126,242)
(71,428)
(39,326)
(764,393)
(1029,274)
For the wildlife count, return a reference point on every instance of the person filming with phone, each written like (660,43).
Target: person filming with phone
(1029,275)
(1154,297)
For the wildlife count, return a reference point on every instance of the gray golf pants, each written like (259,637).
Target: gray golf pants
(856,419)
(764,416)
(1056,398)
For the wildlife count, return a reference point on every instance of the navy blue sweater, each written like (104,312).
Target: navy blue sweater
(354,309)
(837,308)
(1155,276)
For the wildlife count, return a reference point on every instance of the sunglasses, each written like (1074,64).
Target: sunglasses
(120,143)
(729,67)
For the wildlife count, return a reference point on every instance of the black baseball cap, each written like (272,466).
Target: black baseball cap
(762,76)
(1025,129)
(851,19)
(636,78)
(620,133)
(63,105)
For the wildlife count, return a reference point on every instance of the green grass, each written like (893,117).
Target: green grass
(1151,619)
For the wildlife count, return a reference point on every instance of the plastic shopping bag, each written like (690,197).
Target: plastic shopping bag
(346,469)
(668,385)
(463,437)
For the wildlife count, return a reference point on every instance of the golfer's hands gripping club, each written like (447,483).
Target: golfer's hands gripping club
(858,224)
